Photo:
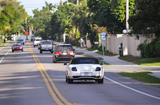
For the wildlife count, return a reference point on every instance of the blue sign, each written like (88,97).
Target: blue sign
(103,36)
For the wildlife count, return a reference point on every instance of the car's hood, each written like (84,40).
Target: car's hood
(85,67)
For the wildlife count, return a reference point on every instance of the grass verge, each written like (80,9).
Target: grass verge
(142,61)
(142,76)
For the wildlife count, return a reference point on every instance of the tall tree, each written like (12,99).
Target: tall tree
(147,19)
(12,17)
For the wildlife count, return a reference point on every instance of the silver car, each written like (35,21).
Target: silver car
(46,45)
(84,68)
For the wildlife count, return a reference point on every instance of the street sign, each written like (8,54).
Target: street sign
(103,36)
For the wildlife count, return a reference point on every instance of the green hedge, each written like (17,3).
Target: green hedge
(150,50)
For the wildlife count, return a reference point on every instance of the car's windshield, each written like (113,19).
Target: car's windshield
(85,61)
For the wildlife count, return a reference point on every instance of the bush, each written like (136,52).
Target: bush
(150,50)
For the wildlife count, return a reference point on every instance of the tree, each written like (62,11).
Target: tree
(42,20)
(12,17)
(147,17)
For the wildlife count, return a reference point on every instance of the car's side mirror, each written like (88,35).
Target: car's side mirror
(65,63)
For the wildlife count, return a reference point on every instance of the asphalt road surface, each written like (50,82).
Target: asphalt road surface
(30,78)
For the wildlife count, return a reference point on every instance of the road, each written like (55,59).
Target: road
(30,78)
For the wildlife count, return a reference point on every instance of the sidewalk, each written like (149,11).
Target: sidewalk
(113,60)
(116,62)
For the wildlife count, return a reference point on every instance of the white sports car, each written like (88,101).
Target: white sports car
(84,68)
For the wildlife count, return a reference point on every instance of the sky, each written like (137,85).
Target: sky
(30,5)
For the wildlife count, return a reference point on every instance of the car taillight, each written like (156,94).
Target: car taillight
(71,53)
(74,69)
(98,69)
(57,53)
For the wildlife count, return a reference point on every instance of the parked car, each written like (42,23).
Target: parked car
(84,68)
(21,41)
(63,52)
(37,41)
(17,47)
(46,45)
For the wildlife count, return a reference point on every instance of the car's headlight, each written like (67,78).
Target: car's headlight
(74,69)
(98,69)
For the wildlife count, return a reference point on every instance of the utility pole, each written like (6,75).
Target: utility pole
(61,2)
(77,2)
(127,14)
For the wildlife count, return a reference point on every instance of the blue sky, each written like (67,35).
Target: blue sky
(29,5)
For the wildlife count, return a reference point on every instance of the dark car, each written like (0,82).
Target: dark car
(17,47)
(63,52)
(21,41)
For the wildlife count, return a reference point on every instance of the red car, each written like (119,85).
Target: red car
(16,47)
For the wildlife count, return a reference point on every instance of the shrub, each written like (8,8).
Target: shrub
(150,49)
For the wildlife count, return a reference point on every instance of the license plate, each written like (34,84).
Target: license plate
(64,53)
(86,74)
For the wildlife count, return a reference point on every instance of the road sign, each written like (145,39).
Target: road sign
(103,36)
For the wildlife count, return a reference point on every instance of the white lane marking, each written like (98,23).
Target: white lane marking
(2,48)
(138,91)
(1,60)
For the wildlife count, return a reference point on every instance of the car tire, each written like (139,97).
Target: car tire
(22,50)
(70,80)
(12,50)
(51,51)
(41,51)
(100,81)
(34,46)
(66,79)
(54,60)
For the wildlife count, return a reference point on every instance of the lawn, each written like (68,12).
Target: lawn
(142,61)
(142,76)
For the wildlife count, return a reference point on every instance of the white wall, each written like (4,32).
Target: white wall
(130,44)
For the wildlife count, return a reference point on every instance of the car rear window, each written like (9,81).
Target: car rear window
(85,61)
(64,47)
(46,42)
(38,39)
(16,45)
(20,40)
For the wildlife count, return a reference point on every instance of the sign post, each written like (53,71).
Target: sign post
(103,39)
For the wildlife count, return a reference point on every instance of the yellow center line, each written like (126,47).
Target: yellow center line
(53,85)
(48,79)
(47,84)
